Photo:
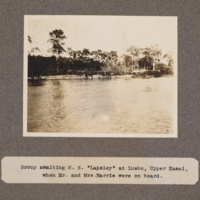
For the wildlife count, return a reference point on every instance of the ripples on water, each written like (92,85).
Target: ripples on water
(102,106)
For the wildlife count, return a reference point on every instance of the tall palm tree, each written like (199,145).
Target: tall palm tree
(134,52)
(56,39)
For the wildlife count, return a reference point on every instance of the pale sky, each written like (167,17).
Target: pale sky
(107,33)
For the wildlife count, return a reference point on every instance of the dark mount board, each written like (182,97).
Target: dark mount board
(12,142)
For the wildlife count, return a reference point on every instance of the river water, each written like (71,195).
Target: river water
(102,106)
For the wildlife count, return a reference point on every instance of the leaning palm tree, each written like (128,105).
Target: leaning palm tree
(34,49)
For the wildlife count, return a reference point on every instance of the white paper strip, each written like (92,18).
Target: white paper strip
(99,170)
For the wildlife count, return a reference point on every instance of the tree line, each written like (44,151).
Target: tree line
(81,60)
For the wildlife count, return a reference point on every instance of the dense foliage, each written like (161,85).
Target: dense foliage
(150,58)
(39,65)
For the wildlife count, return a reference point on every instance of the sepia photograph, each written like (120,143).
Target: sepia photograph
(100,76)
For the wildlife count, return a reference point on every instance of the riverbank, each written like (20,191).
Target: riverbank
(74,77)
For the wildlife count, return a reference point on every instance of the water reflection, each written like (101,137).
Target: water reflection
(102,106)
